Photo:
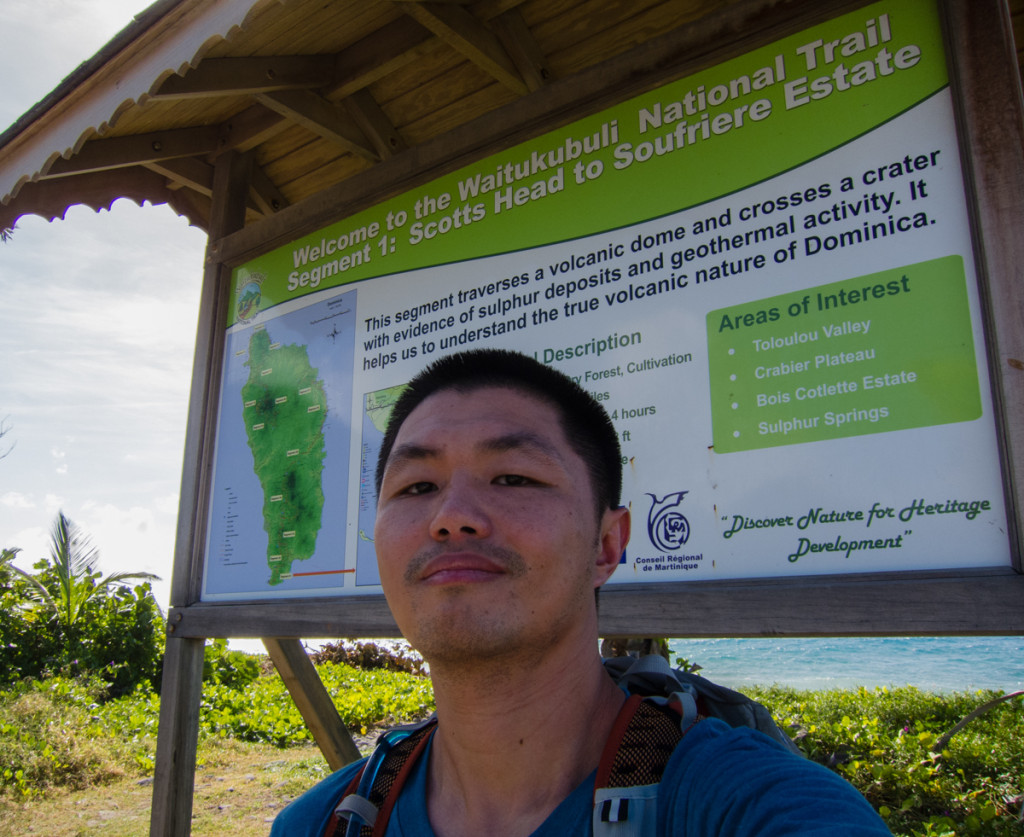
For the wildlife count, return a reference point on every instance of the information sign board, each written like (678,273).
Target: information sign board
(765,272)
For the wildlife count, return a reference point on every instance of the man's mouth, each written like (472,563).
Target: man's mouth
(461,568)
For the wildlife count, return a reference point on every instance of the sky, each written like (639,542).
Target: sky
(98,318)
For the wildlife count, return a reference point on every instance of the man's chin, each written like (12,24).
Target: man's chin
(459,637)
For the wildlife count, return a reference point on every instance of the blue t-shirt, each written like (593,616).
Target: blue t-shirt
(720,780)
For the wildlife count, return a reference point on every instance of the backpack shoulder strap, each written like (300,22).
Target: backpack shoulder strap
(635,756)
(367,802)
(641,742)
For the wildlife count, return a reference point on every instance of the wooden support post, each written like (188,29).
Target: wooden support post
(180,693)
(174,777)
(312,700)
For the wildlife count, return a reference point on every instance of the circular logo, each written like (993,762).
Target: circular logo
(667,527)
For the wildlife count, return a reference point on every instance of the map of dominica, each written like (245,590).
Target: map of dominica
(284,409)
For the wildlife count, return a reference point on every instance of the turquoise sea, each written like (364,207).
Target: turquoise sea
(938,664)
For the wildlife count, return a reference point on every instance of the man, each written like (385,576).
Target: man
(498,517)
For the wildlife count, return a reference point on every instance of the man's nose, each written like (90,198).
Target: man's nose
(460,512)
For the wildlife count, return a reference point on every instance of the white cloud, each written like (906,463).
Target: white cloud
(53,503)
(137,538)
(33,543)
(16,500)
(59,457)
(167,505)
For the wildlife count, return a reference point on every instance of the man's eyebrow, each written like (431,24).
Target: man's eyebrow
(401,454)
(523,440)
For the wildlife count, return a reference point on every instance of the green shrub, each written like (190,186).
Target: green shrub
(122,639)
(370,655)
(226,667)
(119,637)
(884,741)
(265,711)
(67,618)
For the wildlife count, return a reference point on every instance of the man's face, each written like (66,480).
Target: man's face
(486,534)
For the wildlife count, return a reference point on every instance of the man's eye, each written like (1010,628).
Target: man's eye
(513,480)
(419,488)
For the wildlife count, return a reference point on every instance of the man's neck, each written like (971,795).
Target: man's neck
(512,742)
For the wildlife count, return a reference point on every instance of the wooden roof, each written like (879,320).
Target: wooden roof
(322,93)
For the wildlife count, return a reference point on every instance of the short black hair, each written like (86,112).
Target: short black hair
(584,421)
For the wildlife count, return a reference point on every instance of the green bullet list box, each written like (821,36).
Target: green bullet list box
(889,351)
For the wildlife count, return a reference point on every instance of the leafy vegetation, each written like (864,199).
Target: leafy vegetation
(64,733)
(67,617)
(910,753)
(52,735)
(226,667)
(370,655)
(887,743)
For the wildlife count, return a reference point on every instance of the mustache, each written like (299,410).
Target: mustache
(510,560)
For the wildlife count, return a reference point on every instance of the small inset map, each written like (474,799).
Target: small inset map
(376,413)
(278,513)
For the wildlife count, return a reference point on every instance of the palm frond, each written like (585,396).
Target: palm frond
(122,577)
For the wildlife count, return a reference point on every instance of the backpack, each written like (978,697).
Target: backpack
(664,704)
(652,677)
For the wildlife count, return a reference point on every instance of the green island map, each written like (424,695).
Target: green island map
(284,408)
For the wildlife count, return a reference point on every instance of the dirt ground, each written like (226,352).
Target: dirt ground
(239,788)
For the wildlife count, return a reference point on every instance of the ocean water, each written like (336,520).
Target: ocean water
(936,664)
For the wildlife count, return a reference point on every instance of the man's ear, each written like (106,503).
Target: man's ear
(615,526)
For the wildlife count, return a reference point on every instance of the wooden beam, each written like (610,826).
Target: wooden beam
(243,76)
(344,616)
(187,172)
(375,56)
(488,9)
(880,604)
(119,152)
(174,774)
(978,602)
(374,123)
(321,117)
(191,205)
(522,48)
(312,701)
(252,127)
(469,35)
(231,178)
(267,198)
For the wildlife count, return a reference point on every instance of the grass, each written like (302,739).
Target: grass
(239,789)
